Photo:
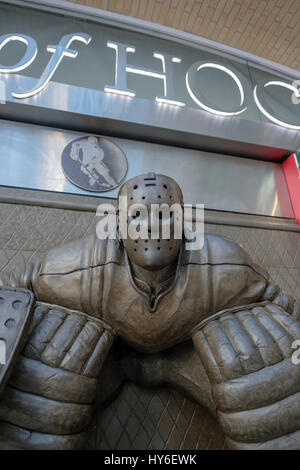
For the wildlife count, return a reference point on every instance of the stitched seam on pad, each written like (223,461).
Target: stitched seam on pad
(80,269)
(32,431)
(232,410)
(236,352)
(76,337)
(40,353)
(185,264)
(208,345)
(260,407)
(226,264)
(289,316)
(235,317)
(273,339)
(238,314)
(63,370)
(260,325)
(48,398)
(52,336)
(50,343)
(281,328)
(69,311)
(82,368)
(217,315)
(256,346)
(38,322)
(264,442)
(100,338)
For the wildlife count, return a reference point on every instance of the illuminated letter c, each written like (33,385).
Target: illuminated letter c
(263,107)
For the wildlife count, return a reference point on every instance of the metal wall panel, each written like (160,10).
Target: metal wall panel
(30,158)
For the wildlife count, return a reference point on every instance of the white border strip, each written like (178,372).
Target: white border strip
(136,24)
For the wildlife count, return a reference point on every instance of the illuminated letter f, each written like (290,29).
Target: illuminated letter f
(59,51)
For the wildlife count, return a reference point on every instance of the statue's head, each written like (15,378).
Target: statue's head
(141,192)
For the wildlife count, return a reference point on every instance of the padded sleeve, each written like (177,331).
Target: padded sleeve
(48,401)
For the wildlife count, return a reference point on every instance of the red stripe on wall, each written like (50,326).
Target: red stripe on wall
(292,176)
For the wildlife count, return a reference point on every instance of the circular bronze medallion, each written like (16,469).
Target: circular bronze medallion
(94,163)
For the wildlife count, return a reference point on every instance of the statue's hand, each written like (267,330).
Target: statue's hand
(255,384)
(48,401)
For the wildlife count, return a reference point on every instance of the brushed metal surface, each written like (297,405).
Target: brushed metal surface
(30,158)
(75,202)
(76,108)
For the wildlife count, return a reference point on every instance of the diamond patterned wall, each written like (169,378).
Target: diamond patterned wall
(154,419)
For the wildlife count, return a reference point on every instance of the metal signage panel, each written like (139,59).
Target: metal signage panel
(30,157)
(128,70)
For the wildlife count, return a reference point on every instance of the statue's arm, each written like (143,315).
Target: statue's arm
(254,381)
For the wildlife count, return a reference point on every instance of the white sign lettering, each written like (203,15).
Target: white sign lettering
(165,73)
(122,68)
(267,113)
(194,92)
(27,59)
(59,51)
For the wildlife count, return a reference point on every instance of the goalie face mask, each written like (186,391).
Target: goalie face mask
(154,207)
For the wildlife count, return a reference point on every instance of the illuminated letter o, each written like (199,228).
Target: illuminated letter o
(27,59)
(190,80)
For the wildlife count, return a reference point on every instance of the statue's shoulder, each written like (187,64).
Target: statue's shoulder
(80,254)
(217,249)
(222,247)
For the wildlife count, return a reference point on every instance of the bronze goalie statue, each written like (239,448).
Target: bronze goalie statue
(60,318)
